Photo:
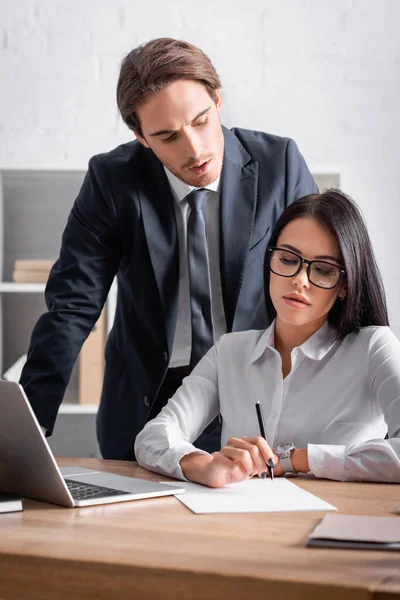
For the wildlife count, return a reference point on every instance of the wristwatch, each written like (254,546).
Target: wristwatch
(284,452)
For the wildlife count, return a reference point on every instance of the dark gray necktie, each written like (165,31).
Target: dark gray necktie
(199,278)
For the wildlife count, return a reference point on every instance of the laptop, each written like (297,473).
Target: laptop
(28,467)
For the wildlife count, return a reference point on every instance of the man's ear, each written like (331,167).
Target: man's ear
(218,100)
(142,140)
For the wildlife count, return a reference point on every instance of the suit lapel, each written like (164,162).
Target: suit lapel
(159,223)
(239,183)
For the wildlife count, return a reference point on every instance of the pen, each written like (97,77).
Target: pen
(270,463)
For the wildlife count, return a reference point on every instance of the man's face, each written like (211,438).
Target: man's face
(181,125)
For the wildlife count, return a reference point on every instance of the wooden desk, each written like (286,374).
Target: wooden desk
(157,549)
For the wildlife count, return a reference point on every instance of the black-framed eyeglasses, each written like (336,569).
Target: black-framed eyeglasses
(320,273)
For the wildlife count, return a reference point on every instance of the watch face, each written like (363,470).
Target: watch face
(284,450)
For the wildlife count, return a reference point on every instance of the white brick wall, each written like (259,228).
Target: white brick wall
(326,73)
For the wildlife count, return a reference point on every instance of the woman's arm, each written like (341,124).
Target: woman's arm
(167,438)
(377,459)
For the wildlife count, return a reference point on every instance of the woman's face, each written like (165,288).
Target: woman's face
(311,240)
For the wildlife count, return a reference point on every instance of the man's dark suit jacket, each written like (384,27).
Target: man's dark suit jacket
(123,224)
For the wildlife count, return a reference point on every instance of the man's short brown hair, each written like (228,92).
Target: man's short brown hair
(153,66)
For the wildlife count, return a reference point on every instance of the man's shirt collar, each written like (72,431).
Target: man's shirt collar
(180,189)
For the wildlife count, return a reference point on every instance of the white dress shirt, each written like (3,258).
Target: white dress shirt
(338,401)
(182,346)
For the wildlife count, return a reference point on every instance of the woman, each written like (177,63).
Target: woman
(326,372)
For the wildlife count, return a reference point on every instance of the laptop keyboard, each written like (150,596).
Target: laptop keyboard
(86,491)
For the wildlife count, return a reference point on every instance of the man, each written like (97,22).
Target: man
(182,216)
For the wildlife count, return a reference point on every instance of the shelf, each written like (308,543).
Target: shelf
(12,287)
(78,409)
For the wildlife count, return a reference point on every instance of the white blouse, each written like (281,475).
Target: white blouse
(339,401)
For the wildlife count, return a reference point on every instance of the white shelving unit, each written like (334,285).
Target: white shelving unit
(34,206)
(77,409)
(26,288)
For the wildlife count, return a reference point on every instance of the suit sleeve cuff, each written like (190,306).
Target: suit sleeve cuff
(327,461)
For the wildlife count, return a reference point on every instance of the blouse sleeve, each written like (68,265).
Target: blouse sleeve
(377,459)
(166,439)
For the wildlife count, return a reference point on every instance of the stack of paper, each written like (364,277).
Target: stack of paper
(254,495)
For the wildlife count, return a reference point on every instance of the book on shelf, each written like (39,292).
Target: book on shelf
(32,270)
(33,264)
(10,503)
(91,363)
(30,276)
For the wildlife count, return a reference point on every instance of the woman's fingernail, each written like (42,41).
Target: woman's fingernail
(251,475)
(263,475)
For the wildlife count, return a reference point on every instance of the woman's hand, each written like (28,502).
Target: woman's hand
(237,461)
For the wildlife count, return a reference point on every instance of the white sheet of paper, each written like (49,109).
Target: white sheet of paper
(254,495)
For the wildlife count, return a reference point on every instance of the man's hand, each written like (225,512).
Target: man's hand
(237,461)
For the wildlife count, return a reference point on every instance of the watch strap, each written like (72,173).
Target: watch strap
(287,465)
